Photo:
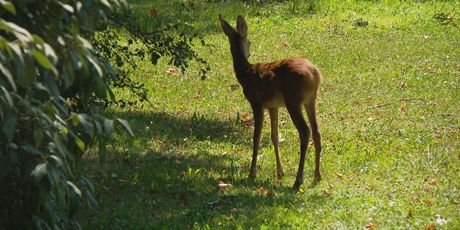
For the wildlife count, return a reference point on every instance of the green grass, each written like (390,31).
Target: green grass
(388,112)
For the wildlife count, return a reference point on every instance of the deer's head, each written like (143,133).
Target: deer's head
(238,38)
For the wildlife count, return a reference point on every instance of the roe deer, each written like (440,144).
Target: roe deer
(292,83)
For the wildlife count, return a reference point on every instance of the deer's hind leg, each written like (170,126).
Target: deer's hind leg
(310,107)
(295,111)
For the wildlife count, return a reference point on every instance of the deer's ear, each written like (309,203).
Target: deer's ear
(241,26)
(228,30)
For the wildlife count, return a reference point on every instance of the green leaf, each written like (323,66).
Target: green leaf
(21,34)
(74,188)
(106,3)
(87,126)
(9,126)
(27,78)
(8,100)
(67,7)
(84,181)
(125,124)
(99,129)
(101,89)
(8,6)
(49,52)
(42,59)
(39,171)
(80,144)
(38,137)
(7,73)
(30,149)
(57,160)
(57,140)
(60,198)
(50,84)
(37,39)
(96,66)
(92,201)
(108,126)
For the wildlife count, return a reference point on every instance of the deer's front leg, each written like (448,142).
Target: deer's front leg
(275,140)
(258,123)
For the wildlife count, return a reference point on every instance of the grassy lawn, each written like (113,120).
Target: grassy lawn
(388,109)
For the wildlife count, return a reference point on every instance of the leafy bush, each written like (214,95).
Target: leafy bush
(120,41)
(50,85)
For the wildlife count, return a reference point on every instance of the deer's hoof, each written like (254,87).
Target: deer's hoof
(317,177)
(297,185)
(280,174)
(251,178)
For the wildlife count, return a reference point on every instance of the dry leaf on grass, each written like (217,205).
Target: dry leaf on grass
(223,185)
(371,225)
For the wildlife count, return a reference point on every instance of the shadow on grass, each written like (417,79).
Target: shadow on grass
(176,189)
(179,192)
(175,128)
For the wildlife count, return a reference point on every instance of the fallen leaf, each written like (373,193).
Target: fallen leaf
(402,85)
(430,227)
(172,71)
(339,175)
(371,225)
(261,190)
(245,119)
(427,202)
(402,110)
(410,212)
(326,192)
(245,116)
(433,181)
(223,185)
(197,95)
(278,182)
(271,194)
(153,12)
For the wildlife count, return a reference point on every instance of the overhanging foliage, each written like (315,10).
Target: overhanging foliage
(50,83)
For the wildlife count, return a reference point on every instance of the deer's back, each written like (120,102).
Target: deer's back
(291,80)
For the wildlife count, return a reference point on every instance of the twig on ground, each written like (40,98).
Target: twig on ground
(399,100)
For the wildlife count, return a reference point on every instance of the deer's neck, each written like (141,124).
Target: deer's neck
(241,66)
